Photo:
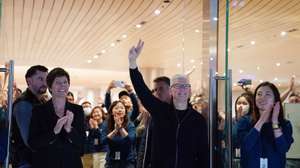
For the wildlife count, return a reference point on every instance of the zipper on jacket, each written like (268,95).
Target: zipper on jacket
(177,132)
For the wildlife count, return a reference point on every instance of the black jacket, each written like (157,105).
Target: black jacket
(175,144)
(56,151)
(20,153)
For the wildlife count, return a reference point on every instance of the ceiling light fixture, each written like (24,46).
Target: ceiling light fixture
(138,26)
(197,31)
(252,42)
(157,12)
(124,36)
(283,33)
(89,61)
(278,64)
(103,51)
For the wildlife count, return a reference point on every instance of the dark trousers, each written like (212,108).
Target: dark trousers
(119,164)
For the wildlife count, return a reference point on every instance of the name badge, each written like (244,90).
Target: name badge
(263,163)
(96,141)
(117,155)
(237,152)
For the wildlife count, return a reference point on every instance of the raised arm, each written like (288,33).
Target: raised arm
(151,103)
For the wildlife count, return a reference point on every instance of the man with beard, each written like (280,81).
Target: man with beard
(22,110)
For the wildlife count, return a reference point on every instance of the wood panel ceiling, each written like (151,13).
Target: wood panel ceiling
(68,33)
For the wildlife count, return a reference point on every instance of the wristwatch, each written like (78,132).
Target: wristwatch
(275,126)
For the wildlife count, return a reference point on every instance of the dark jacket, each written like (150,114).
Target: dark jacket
(56,151)
(124,145)
(93,143)
(263,144)
(3,136)
(22,110)
(176,143)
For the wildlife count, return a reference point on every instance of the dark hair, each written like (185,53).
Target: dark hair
(255,114)
(111,121)
(70,94)
(249,98)
(123,93)
(54,73)
(32,70)
(162,79)
(102,112)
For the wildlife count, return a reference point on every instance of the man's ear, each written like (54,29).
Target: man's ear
(28,81)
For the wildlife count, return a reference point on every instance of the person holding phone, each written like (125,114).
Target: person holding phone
(127,96)
(266,136)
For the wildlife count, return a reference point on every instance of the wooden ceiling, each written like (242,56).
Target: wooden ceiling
(73,34)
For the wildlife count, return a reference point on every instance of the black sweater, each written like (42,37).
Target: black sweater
(175,143)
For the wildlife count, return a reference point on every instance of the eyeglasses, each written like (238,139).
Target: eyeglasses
(181,86)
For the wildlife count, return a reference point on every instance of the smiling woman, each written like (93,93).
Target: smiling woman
(57,129)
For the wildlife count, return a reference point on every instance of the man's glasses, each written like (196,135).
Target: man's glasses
(181,86)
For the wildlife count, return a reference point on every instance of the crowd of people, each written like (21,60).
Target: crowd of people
(161,127)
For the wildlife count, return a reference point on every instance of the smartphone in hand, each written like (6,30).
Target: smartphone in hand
(119,83)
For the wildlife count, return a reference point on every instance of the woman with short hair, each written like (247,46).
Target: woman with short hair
(57,128)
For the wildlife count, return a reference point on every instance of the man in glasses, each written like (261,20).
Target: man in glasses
(179,132)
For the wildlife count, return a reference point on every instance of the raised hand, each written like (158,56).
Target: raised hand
(111,85)
(128,88)
(93,123)
(134,52)
(118,122)
(264,117)
(292,84)
(276,111)
(68,124)
(59,124)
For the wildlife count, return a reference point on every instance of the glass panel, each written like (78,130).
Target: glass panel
(263,46)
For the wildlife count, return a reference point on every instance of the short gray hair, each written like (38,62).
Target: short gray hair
(177,77)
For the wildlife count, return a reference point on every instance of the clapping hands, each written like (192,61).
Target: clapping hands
(64,122)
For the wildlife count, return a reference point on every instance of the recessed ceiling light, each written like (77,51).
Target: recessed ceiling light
(112,44)
(279,84)
(275,79)
(103,51)
(194,66)
(178,65)
(278,64)
(192,60)
(258,68)
(124,36)
(89,61)
(157,12)
(283,33)
(201,63)
(260,81)
(96,56)
(138,26)
(241,71)
(252,42)
(197,30)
